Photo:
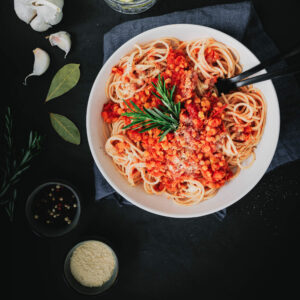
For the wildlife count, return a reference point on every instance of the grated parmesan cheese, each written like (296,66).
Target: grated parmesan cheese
(92,263)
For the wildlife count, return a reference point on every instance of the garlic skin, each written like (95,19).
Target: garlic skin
(40,14)
(62,40)
(41,63)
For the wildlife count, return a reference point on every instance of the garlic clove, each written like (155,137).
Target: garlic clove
(24,10)
(41,63)
(50,12)
(39,24)
(62,40)
(55,4)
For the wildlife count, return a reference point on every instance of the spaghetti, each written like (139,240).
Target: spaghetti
(216,136)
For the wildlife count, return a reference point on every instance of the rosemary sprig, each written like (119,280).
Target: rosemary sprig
(15,165)
(166,118)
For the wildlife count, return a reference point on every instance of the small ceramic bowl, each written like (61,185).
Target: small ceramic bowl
(42,229)
(73,283)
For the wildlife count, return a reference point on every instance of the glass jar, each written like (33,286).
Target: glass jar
(130,6)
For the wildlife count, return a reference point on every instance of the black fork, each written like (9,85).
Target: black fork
(224,85)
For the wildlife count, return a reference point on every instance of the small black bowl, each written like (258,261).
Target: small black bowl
(91,291)
(48,231)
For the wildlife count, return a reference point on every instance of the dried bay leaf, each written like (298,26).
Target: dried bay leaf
(65,128)
(64,80)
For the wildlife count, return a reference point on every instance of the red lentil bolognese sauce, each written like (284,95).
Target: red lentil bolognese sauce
(168,127)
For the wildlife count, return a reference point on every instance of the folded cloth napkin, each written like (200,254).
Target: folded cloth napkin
(241,22)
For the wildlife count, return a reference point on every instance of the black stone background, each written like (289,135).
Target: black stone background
(253,251)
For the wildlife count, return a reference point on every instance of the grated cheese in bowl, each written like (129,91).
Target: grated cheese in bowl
(93,267)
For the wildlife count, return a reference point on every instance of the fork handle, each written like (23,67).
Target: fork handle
(271,75)
(290,53)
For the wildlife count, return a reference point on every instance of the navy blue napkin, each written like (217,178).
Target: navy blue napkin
(241,22)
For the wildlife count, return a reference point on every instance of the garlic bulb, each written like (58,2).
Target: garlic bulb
(62,40)
(41,63)
(40,14)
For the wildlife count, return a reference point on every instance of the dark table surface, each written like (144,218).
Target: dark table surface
(252,251)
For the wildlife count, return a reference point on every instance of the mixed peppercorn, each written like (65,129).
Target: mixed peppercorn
(54,205)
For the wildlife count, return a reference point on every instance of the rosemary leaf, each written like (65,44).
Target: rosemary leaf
(164,134)
(148,128)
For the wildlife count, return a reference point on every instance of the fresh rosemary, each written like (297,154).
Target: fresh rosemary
(14,165)
(166,118)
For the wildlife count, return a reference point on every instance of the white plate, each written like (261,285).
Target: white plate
(232,191)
